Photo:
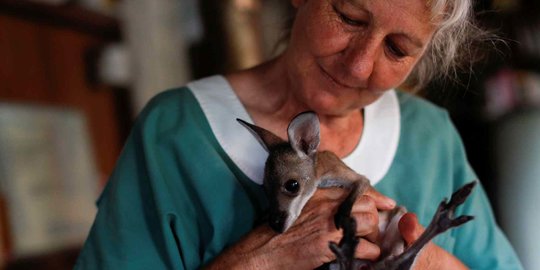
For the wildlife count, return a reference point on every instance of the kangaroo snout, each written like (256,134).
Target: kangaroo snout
(277,221)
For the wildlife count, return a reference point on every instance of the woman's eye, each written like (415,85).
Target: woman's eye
(350,21)
(344,18)
(394,49)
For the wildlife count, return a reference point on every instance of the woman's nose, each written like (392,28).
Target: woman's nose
(360,59)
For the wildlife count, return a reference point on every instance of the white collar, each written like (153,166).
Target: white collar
(372,157)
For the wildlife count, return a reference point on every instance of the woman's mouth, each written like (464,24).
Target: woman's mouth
(335,81)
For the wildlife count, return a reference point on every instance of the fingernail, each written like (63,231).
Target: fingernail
(391,203)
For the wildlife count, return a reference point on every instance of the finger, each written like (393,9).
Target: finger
(364,203)
(367,217)
(382,202)
(367,250)
(431,256)
(367,225)
(410,228)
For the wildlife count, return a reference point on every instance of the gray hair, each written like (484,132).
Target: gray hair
(453,46)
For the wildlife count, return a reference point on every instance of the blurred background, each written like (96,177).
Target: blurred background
(75,73)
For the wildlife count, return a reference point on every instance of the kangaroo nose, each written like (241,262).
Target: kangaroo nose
(277,221)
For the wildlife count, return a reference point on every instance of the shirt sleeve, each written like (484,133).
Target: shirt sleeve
(131,231)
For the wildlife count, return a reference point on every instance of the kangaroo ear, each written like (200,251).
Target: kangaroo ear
(304,133)
(266,138)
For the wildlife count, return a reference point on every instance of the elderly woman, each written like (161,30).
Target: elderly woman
(186,191)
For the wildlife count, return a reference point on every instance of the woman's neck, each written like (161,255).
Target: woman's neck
(268,98)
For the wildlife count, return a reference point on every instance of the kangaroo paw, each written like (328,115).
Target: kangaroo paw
(346,248)
(442,221)
(444,217)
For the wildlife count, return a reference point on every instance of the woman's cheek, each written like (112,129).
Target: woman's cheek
(328,39)
(388,74)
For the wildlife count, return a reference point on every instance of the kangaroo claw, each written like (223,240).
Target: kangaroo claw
(444,217)
(345,250)
(461,194)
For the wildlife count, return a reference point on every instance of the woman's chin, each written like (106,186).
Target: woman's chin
(341,105)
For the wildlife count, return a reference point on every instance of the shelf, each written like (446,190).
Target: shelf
(67,15)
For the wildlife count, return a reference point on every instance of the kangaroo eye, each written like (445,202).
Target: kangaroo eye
(292,186)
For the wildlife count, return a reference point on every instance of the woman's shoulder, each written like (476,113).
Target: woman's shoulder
(420,114)
(412,104)
(187,101)
(170,99)
(427,128)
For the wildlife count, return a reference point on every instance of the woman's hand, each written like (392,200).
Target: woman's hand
(431,256)
(305,244)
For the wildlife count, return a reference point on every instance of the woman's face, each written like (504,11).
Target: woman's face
(343,54)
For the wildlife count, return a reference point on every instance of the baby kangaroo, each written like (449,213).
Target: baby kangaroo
(295,169)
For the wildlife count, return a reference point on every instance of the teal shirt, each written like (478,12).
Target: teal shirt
(176,199)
